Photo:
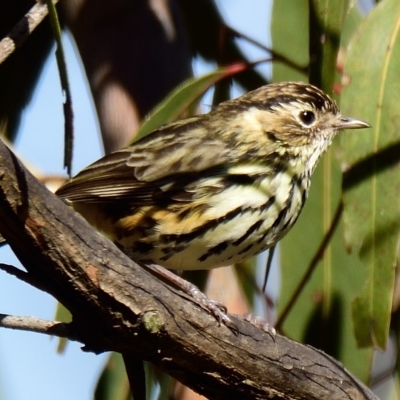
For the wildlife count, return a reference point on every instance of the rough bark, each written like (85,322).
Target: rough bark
(118,306)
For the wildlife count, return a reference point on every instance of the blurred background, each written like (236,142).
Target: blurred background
(122,60)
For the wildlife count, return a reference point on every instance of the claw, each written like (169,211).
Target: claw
(260,323)
(216,308)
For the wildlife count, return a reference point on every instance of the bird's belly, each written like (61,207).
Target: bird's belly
(236,225)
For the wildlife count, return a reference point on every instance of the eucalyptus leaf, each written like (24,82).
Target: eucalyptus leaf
(371,163)
(178,101)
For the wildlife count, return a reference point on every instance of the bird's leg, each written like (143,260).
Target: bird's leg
(217,309)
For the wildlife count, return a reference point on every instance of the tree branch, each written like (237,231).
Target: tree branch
(118,306)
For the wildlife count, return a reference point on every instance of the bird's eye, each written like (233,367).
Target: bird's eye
(307,117)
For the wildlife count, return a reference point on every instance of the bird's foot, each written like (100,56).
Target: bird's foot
(217,309)
(260,323)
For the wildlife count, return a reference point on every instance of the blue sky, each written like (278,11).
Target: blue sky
(30,368)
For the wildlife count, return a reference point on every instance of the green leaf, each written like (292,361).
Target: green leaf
(63,315)
(113,383)
(289,31)
(350,24)
(246,272)
(372,169)
(326,20)
(65,86)
(183,97)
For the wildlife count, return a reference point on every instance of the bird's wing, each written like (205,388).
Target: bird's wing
(160,166)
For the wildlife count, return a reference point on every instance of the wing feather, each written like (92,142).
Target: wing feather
(158,166)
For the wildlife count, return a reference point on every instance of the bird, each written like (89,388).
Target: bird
(214,189)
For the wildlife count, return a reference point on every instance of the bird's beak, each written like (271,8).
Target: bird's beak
(351,123)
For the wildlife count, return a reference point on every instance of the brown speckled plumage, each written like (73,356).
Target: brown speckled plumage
(213,189)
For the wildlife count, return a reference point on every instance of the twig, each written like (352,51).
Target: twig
(23,29)
(23,276)
(268,267)
(32,324)
(275,55)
